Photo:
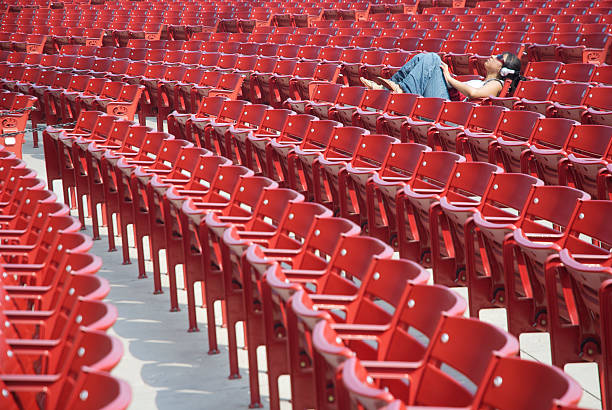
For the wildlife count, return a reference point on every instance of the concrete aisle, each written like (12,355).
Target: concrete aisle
(169,368)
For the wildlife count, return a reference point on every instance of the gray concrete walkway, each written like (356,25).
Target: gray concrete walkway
(169,368)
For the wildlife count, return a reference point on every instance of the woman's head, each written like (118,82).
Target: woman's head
(505,65)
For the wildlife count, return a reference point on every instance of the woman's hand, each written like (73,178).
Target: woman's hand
(445,70)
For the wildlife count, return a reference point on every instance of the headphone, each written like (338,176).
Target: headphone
(505,71)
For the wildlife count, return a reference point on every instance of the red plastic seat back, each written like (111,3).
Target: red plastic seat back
(453,345)
(512,382)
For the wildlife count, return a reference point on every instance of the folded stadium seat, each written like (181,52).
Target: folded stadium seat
(192,45)
(126,140)
(343,140)
(425,112)
(288,51)
(134,73)
(529,247)
(459,188)
(161,90)
(462,34)
(99,68)
(503,386)
(591,48)
(72,160)
(398,108)
(149,80)
(121,165)
(577,72)
(264,64)
(200,164)
(438,33)
(268,211)
(451,118)
(511,36)
(170,156)
(92,349)
(228,85)
(155,55)
(598,106)
(351,65)
(367,100)
(65,63)
(529,95)
(587,152)
(333,167)
(55,96)
(461,62)
(320,234)
(470,361)
(512,124)
(543,70)
(191,59)
(333,343)
(117,69)
(178,121)
(322,105)
(277,149)
(430,45)
(391,63)
(244,189)
(369,112)
(200,126)
(587,19)
(173,57)
(512,140)
(315,139)
(220,136)
(303,315)
(32,60)
(102,390)
(341,40)
(280,83)
(262,86)
(576,336)
(25,248)
(302,83)
(12,76)
(309,52)
(89,175)
(255,139)
(602,75)
(104,89)
(539,154)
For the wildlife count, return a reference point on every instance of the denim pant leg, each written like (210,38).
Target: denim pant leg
(423,77)
(399,76)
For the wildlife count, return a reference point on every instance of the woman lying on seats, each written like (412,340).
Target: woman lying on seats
(426,75)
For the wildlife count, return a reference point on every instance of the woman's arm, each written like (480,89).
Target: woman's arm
(491,89)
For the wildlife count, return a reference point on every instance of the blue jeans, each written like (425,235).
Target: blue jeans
(422,75)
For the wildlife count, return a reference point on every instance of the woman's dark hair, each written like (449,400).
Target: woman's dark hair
(513,64)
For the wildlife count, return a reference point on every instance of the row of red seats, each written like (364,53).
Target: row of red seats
(387,11)
(191,212)
(61,93)
(457,126)
(305,18)
(55,351)
(547,21)
(335,166)
(573,72)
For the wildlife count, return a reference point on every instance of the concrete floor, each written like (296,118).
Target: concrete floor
(169,368)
